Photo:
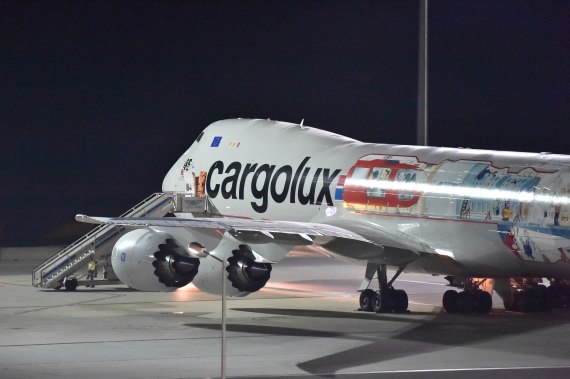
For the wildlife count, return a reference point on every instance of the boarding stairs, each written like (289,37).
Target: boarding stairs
(68,267)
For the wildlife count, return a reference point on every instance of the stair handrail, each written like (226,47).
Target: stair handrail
(95,231)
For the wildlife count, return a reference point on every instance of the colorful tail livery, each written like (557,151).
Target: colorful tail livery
(476,216)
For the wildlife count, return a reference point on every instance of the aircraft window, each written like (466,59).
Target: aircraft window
(406,176)
(378,175)
(376,192)
(199,137)
(359,173)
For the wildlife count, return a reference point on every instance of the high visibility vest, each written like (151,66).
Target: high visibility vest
(92,266)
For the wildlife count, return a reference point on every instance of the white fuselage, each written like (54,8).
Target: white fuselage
(498,214)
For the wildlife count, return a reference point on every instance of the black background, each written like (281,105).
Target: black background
(98,99)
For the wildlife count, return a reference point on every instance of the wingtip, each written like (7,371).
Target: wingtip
(85,219)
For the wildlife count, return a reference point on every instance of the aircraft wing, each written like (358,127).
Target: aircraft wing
(386,247)
(231,224)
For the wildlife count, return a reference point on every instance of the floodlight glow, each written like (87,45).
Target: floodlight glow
(446,253)
(428,189)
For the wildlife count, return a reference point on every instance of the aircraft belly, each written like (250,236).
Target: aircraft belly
(476,246)
(484,250)
(451,247)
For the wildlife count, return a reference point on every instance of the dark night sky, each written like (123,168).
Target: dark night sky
(98,99)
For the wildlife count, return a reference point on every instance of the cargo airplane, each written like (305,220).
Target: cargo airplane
(487,220)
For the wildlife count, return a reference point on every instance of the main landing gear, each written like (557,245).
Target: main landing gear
(529,295)
(471,299)
(386,299)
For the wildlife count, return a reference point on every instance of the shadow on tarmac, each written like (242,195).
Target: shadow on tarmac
(84,289)
(270,330)
(334,314)
(443,331)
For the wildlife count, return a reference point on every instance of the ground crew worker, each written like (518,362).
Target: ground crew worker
(92,271)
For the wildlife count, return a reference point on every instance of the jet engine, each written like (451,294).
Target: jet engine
(148,260)
(244,272)
(167,259)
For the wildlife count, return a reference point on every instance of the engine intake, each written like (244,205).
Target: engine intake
(173,269)
(244,272)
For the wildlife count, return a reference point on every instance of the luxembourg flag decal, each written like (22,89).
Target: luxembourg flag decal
(216,141)
(339,188)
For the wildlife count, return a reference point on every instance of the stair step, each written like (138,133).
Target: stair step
(74,257)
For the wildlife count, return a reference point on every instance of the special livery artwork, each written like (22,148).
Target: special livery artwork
(526,204)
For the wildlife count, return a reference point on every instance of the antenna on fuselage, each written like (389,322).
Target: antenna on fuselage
(302,121)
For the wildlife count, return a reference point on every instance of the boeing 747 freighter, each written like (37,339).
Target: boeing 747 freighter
(488,220)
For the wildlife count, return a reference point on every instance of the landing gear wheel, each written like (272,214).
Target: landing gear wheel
(387,299)
(390,300)
(521,301)
(554,296)
(537,297)
(466,302)
(71,284)
(531,300)
(367,300)
(400,301)
(484,302)
(450,303)
(544,302)
(381,302)
(377,302)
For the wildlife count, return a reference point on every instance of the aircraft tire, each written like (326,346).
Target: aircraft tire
(533,300)
(484,302)
(565,296)
(520,302)
(523,302)
(466,302)
(367,300)
(377,302)
(382,301)
(544,303)
(450,302)
(400,301)
(555,297)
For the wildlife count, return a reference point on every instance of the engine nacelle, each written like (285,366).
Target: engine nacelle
(242,274)
(148,260)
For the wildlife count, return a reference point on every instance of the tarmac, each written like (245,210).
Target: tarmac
(303,324)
